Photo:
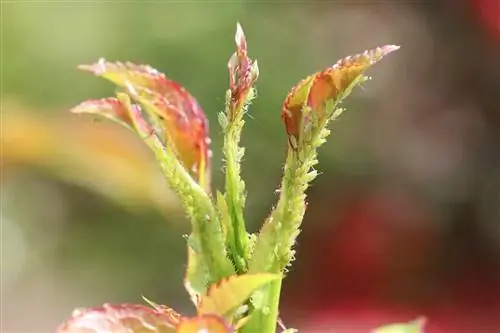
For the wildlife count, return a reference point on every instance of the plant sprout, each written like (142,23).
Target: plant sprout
(233,278)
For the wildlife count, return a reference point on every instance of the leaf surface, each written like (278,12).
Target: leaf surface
(315,91)
(171,107)
(117,318)
(228,294)
(110,108)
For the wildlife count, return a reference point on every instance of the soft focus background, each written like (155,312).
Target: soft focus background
(404,220)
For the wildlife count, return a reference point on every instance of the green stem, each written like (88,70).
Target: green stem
(206,227)
(207,233)
(264,316)
(274,247)
(277,236)
(273,300)
(234,196)
(235,186)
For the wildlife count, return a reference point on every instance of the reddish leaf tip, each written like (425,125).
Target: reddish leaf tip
(109,107)
(180,115)
(243,72)
(317,89)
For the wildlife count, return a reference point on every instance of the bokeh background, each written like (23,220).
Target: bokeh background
(404,220)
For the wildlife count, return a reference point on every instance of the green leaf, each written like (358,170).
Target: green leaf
(306,112)
(230,293)
(414,326)
(264,316)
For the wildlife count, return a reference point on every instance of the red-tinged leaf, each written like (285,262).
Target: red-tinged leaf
(208,323)
(111,108)
(292,109)
(148,78)
(317,89)
(184,122)
(136,116)
(188,137)
(228,294)
(328,84)
(243,72)
(117,318)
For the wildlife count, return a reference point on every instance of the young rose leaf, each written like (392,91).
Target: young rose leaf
(188,138)
(330,83)
(117,318)
(110,108)
(171,107)
(229,293)
(208,323)
(310,97)
(141,126)
(292,109)
(146,77)
(414,326)
(306,112)
(204,266)
(243,72)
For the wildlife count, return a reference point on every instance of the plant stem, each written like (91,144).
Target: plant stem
(197,203)
(235,186)
(206,227)
(264,316)
(274,246)
(234,196)
(273,300)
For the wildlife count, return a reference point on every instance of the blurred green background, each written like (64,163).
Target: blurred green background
(404,219)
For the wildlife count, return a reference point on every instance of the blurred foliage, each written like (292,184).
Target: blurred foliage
(103,158)
(186,40)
